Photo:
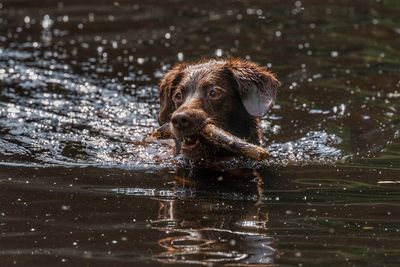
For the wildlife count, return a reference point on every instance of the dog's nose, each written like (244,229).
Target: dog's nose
(181,120)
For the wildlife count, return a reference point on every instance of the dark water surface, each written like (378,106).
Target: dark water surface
(78,93)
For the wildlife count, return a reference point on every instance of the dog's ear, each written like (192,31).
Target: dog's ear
(168,83)
(256,85)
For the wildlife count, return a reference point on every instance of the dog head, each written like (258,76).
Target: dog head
(231,94)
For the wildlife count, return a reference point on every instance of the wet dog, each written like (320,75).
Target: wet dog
(233,94)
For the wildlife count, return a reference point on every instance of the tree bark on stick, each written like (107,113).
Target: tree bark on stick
(220,138)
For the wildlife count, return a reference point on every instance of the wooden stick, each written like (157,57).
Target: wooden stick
(163,132)
(221,138)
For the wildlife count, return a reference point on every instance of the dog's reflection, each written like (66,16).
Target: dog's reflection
(224,221)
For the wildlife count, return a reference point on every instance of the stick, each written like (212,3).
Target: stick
(221,138)
(163,132)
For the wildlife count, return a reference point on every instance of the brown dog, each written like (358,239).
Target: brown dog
(231,93)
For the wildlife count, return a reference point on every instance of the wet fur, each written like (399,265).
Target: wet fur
(239,79)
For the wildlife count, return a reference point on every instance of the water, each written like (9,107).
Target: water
(78,94)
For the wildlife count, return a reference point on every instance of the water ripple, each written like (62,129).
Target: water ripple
(58,117)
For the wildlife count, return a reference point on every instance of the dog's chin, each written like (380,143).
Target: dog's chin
(195,147)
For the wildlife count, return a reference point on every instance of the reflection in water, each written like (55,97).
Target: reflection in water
(95,217)
(190,236)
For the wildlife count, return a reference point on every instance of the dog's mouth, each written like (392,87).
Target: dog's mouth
(195,146)
(190,142)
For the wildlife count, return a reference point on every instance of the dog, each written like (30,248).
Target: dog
(233,94)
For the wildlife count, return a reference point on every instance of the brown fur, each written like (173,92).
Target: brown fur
(245,92)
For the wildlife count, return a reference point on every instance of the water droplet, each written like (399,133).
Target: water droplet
(180,56)
(334,54)
(219,52)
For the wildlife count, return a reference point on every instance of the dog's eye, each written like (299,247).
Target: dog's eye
(178,96)
(214,94)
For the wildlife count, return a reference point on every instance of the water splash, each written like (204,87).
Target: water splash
(55,116)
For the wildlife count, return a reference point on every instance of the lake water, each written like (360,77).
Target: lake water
(79,92)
